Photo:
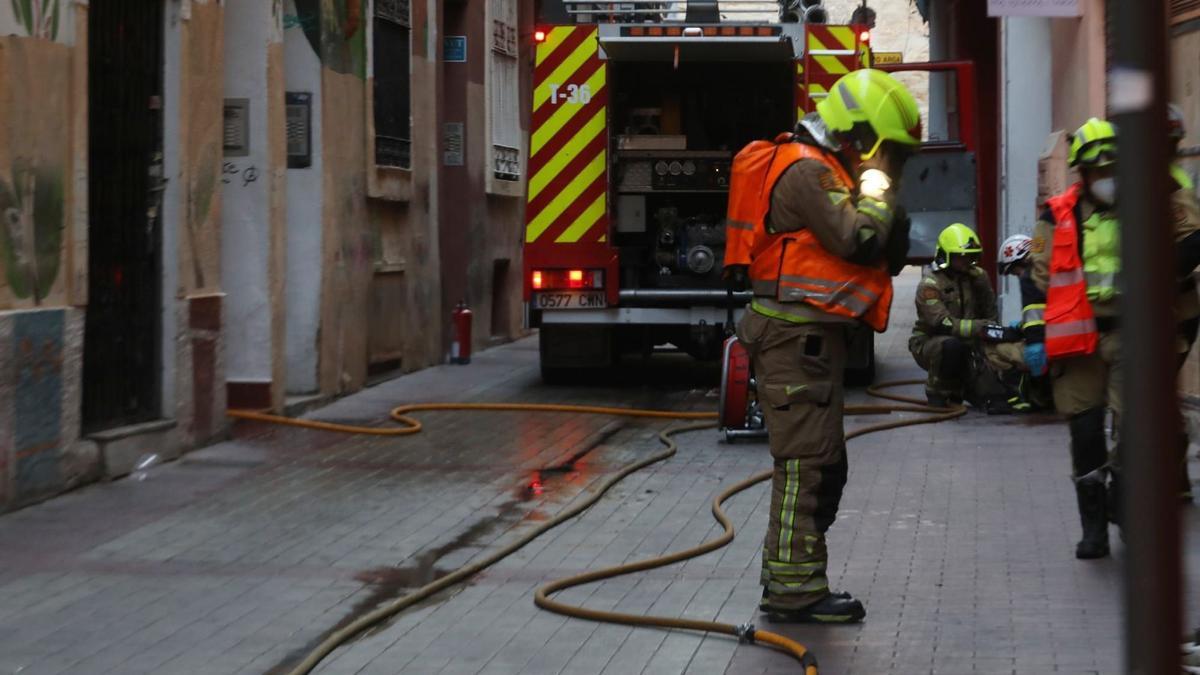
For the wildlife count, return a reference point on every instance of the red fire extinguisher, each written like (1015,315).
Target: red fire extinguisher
(460,347)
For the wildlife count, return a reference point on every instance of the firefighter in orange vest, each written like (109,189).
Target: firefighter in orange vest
(1071,318)
(826,239)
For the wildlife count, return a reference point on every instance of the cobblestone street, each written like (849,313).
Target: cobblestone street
(958,537)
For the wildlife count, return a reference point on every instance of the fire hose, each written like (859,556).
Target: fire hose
(699,420)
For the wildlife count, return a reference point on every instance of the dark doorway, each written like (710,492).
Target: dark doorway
(122,360)
(500,296)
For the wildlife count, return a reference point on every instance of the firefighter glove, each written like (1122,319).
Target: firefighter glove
(736,278)
(897,245)
(874,183)
(1035,358)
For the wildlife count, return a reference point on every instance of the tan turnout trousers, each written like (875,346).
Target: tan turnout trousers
(799,371)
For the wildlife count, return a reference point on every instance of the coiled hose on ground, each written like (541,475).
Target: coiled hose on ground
(700,420)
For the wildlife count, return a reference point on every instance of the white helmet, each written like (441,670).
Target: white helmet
(1014,250)
(1175,125)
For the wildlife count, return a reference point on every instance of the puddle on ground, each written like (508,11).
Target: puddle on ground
(388,583)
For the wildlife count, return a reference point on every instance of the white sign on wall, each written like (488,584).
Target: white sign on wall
(1034,8)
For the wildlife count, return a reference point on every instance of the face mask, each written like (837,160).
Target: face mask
(1104,190)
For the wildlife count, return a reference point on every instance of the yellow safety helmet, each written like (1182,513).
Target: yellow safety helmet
(956,239)
(870,106)
(1094,144)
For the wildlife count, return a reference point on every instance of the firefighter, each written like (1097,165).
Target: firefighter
(1076,258)
(1185,212)
(1033,392)
(827,239)
(956,337)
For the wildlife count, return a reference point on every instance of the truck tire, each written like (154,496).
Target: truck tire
(860,362)
(861,377)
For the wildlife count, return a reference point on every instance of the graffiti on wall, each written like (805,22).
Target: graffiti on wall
(39,18)
(336,30)
(31,208)
(37,414)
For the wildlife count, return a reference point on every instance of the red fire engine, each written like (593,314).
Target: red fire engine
(638,110)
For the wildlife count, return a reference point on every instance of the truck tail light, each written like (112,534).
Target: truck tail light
(865,36)
(539,36)
(548,280)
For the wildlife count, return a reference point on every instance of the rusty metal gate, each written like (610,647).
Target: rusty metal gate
(122,355)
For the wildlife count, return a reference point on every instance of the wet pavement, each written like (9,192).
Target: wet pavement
(236,559)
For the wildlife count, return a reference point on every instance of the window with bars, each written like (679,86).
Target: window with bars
(391,44)
(505,91)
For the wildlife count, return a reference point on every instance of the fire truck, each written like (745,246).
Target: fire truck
(638,109)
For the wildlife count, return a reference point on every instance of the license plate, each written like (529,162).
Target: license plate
(570,300)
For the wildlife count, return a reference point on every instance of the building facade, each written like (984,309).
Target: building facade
(211,204)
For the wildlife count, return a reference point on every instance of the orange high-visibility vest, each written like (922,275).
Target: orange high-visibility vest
(793,266)
(744,218)
(1070,321)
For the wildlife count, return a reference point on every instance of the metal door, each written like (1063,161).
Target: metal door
(122,361)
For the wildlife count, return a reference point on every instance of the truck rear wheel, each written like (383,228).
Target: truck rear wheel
(861,377)
(860,361)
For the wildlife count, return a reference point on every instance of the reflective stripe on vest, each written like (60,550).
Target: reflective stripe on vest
(1070,329)
(1033,315)
(853,297)
(777,310)
(793,266)
(1070,322)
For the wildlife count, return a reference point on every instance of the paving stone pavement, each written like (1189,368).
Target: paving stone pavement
(958,537)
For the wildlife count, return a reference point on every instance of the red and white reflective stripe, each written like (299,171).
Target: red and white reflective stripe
(1069,329)
(1068,278)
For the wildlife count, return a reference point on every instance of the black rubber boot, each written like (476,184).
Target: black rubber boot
(937,399)
(834,608)
(765,606)
(1093,515)
(1113,498)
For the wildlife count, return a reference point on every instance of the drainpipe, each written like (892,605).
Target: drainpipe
(1151,420)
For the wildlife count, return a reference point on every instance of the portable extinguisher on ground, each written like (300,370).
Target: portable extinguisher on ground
(460,347)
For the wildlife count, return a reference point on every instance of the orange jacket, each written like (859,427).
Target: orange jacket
(1070,322)
(744,220)
(793,266)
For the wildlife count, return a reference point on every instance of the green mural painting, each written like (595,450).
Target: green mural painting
(336,29)
(40,18)
(201,205)
(31,208)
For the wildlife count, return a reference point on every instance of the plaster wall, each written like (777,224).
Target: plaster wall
(347,248)
(43,250)
(302,73)
(246,199)
(1026,117)
(1078,61)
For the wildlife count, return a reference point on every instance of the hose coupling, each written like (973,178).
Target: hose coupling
(744,633)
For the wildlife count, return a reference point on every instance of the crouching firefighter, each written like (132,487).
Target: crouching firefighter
(956,337)
(820,238)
